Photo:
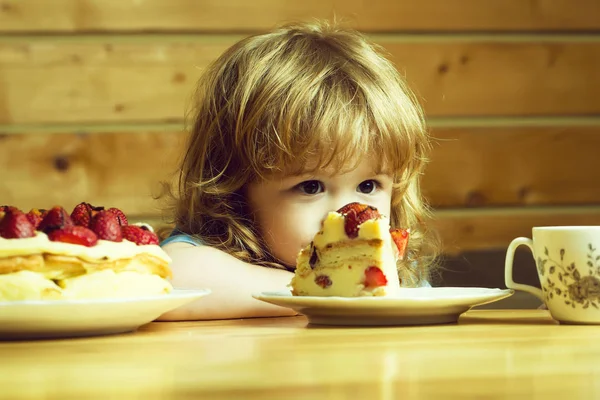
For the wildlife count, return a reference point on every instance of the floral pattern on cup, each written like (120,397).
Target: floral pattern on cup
(564,280)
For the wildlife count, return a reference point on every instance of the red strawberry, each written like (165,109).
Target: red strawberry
(139,235)
(374,277)
(15,225)
(323,280)
(9,208)
(55,218)
(106,225)
(83,213)
(74,234)
(120,216)
(400,237)
(351,224)
(368,213)
(5,209)
(355,214)
(356,207)
(35,216)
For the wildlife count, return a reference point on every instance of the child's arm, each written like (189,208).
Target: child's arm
(231,281)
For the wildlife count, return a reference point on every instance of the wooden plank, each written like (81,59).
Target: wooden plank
(471,167)
(475,230)
(121,169)
(125,79)
(514,166)
(492,78)
(48,81)
(246,16)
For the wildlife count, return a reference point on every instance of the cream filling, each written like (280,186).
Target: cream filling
(27,285)
(107,283)
(104,250)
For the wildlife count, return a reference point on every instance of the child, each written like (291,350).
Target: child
(289,125)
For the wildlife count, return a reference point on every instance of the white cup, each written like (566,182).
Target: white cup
(568,266)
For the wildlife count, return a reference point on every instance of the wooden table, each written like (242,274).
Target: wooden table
(488,354)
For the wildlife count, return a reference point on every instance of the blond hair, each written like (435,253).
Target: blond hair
(274,101)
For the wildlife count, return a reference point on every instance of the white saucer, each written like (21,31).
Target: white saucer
(413,306)
(70,318)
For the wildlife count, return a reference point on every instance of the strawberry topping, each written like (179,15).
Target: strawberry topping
(374,277)
(139,235)
(120,216)
(400,237)
(355,214)
(356,207)
(55,218)
(106,225)
(35,216)
(75,235)
(83,213)
(16,225)
(4,209)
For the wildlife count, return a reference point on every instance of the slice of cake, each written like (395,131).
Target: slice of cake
(91,253)
(354,254)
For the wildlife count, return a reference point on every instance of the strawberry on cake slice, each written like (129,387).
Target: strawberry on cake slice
(354,254)
(91,253)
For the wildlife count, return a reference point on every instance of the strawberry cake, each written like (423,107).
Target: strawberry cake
(91,253)
(354,254)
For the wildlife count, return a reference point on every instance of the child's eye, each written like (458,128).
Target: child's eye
(368,187)
(310,187)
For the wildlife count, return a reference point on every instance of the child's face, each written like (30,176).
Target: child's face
(289,210)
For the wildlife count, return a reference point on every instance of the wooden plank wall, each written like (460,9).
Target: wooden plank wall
(90,90)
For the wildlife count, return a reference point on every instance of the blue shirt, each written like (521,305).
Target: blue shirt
(179,237)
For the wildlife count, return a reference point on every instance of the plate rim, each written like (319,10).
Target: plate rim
(279,294)
(385,310)
(176,293)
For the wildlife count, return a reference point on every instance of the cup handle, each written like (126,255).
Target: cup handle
(508,268)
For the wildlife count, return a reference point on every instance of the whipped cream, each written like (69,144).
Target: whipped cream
(104,250)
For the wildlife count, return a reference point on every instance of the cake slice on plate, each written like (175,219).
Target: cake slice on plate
(354,254)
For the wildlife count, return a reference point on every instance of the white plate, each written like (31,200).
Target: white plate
(413,306)
(70,318)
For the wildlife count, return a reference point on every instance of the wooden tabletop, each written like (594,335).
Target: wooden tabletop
(488,354)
